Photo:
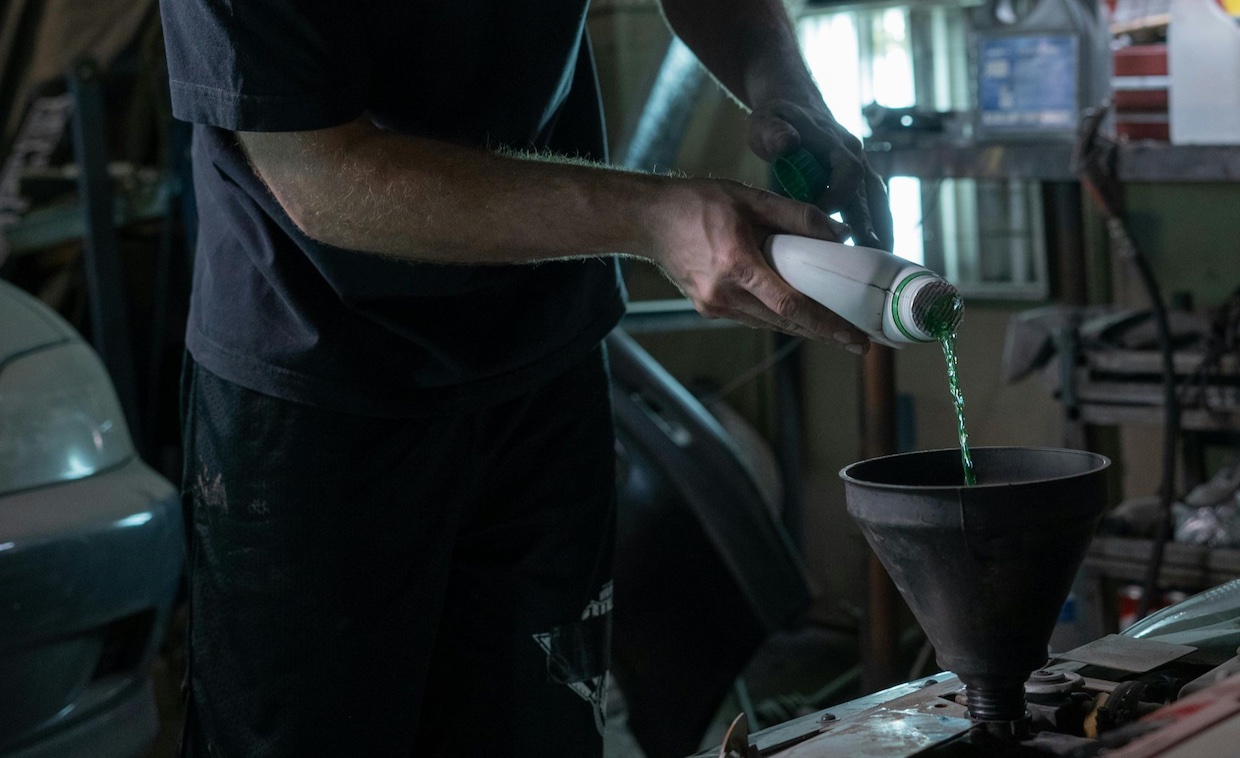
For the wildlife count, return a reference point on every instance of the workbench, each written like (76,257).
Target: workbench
(1051,161)
(1187,567)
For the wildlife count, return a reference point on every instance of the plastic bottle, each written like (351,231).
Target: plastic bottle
(1203,60)
(885,296)
(894,301)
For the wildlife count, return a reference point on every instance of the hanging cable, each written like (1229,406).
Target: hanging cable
(751,373)
(1095,162)
(1171,416)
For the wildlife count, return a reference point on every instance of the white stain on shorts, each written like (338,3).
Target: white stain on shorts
(592,689)
(209,490)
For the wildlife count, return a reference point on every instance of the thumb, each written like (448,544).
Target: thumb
(792,217)
(770,136)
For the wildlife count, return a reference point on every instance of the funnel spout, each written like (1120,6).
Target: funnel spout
(986,568)
(996,703)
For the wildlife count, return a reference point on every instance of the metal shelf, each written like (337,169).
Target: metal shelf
(1157,162)
(1184,566)
(674,315)
(1149,162)
(57,223)
(1191,419)
(1116,387)
(944,160)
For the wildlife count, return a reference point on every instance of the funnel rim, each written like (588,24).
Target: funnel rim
(1102,463)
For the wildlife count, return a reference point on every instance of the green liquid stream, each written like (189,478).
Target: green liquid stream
(948,341)
(941,322)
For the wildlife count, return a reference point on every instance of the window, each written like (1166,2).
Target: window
(985,236)
(859,57)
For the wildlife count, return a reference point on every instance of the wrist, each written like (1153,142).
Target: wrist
(668,210)
(654,218)
(781,77)
(804,96)
(616,212)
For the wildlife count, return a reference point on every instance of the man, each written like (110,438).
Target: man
(399,454)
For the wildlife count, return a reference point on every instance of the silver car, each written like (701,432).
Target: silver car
(90,549)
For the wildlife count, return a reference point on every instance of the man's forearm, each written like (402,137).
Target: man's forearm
(749,45)
(360,188)
(365,189)
(357,187)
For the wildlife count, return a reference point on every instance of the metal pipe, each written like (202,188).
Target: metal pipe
(1066,236)
(105,280)
(791,408)
(1171,411)
(880,635)
(878,402)
(664,120)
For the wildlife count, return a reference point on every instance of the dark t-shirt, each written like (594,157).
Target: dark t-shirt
(277,312)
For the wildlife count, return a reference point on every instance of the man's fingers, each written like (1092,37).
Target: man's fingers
(847,176)
(857,214)
(792,217)
(742,317)
(880,210)
(792,311)
(779,126)
(748,310)
(770,136)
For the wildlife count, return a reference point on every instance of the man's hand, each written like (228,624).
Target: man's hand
(751,47)
(708,240)
(779,127)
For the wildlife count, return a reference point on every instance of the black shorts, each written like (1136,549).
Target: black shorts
(392,587)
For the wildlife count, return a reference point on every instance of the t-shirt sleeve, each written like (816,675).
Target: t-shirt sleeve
(266,65)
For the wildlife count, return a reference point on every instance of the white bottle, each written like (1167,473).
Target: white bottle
(1203,60)
(890,299)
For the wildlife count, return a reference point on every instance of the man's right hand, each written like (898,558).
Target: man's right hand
(708,238)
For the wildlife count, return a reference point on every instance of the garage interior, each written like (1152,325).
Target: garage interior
(1098,257)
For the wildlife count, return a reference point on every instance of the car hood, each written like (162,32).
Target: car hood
(28,324)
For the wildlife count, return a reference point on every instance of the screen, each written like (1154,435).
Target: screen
(1028,83)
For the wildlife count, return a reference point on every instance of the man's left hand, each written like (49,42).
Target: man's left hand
(779,127)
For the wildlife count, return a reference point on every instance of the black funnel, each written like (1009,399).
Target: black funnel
(985,569)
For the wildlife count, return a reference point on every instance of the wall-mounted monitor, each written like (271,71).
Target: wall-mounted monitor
(1028,85)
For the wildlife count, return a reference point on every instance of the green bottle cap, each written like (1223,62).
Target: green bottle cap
(801,175)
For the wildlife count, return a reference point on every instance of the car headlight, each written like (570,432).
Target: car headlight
(59,418)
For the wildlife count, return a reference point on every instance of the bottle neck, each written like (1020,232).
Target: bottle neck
(925,307)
